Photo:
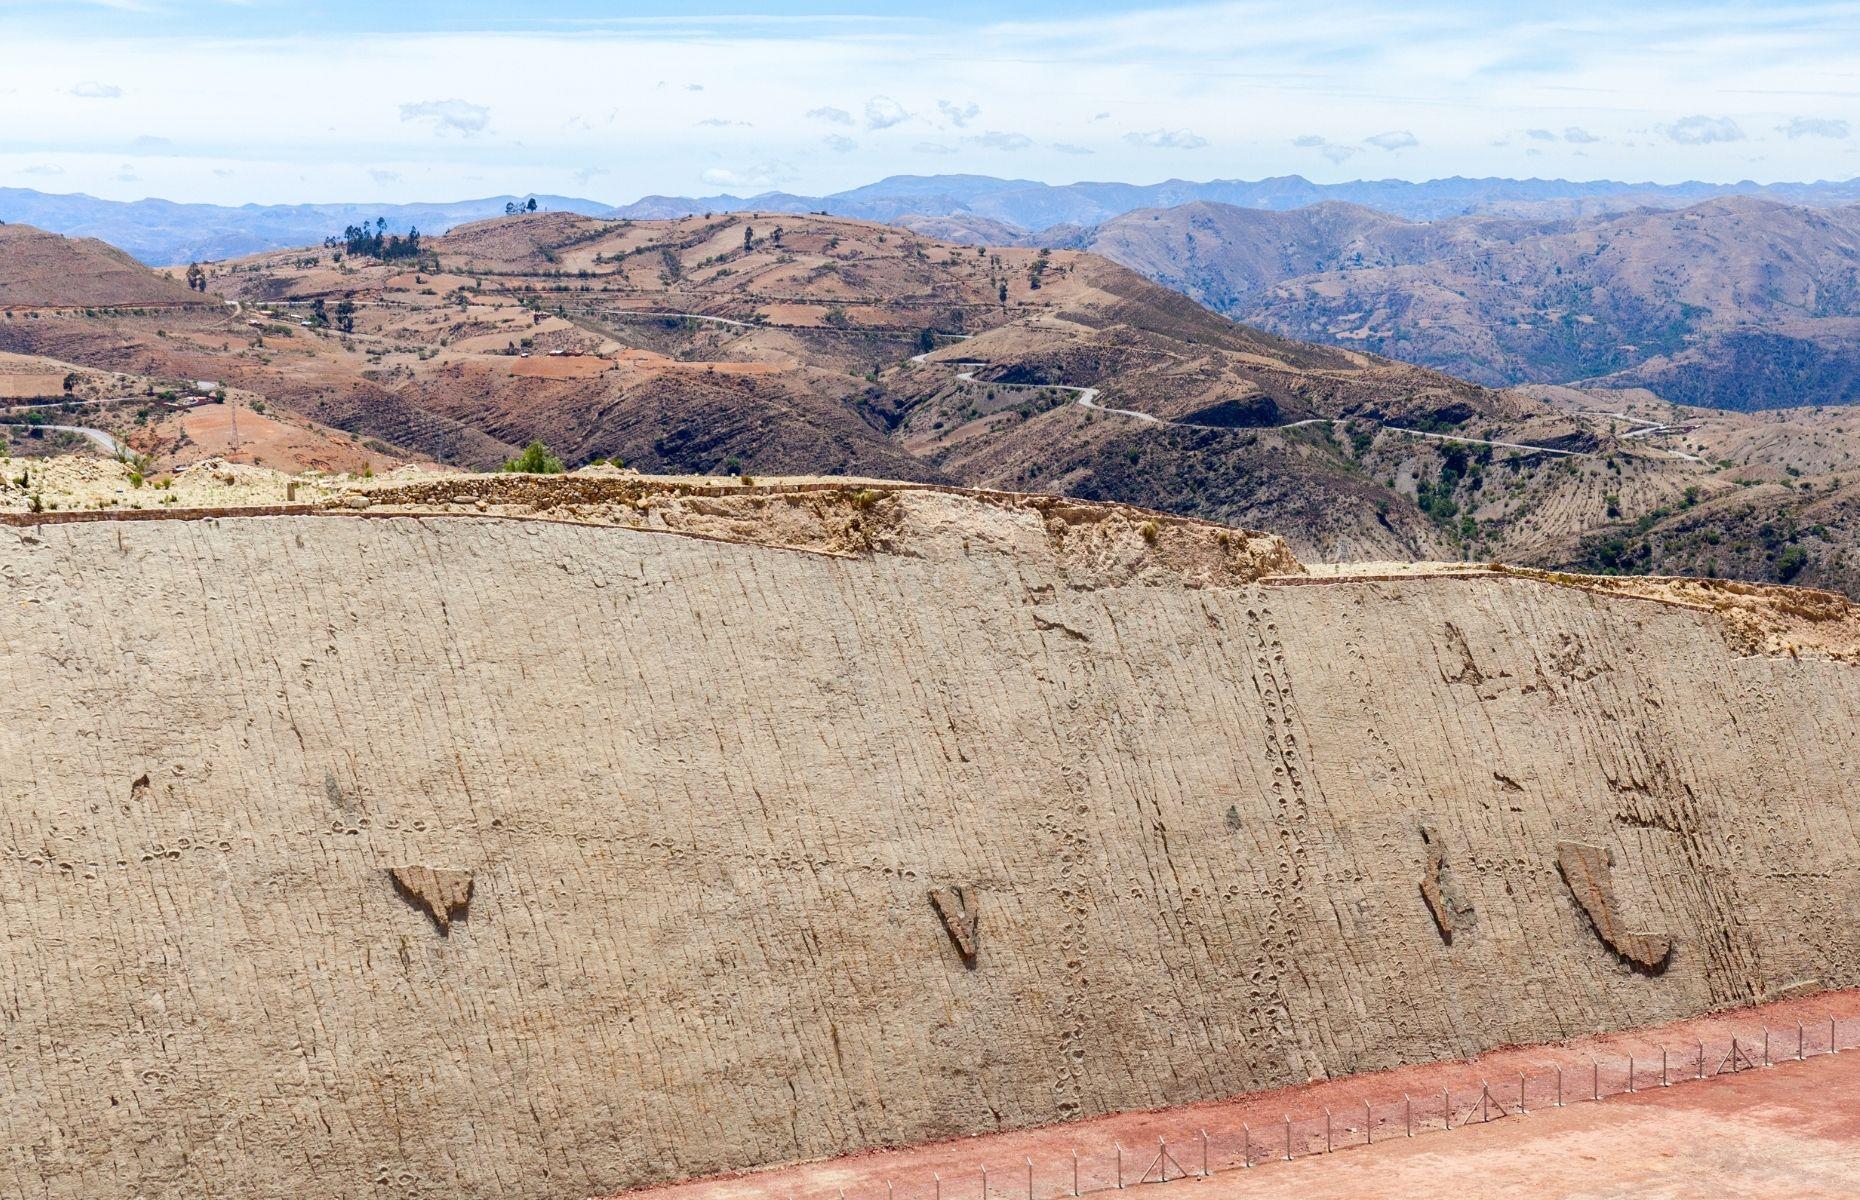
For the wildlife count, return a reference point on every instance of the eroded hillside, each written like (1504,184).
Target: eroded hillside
(496,835)
(776,343)
(1738,302)
(757,344)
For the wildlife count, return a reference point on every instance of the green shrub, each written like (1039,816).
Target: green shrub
(535,460)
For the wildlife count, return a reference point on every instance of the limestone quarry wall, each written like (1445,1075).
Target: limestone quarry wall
(442,857)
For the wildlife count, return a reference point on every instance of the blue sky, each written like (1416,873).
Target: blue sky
(260,100)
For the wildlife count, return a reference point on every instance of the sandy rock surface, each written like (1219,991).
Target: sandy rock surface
(544,857)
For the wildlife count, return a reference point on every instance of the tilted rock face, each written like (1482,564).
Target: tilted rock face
(688,806)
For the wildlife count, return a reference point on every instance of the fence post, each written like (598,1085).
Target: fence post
(1701,1060)
(1407,1113)
(1832,1044)
(1800,1041)
(1120,1165)
(1204,1154)
(1485,1101)
(1327,1141)
(1630,1074)
(1595,1080)
(1246,1145)
(1075,1171)
(1521,1107)
(1447,1096)
(1030,1179)
(888,1189)
(1663,1082)
(1288,1137)
(1162,1159)
(939,1187)
(984,1183)
(1559,1085)
(1766,1045)
(1369,1124)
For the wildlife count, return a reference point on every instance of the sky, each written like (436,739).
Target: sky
(298,101)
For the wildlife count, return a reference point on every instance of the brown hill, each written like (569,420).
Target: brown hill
(43,270)
(774,343)
(1224,256)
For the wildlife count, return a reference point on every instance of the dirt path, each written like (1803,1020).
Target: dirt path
(97,437)
(1087,397)
(1756,1131)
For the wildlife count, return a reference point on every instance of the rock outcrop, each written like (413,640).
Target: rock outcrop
(696,791)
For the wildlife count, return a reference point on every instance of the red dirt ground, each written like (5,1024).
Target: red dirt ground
(1789,1131)
(263,440)
(564,367)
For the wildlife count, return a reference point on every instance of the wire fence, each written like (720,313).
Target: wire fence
(1253,1145)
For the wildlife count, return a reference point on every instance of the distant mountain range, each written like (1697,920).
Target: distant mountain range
(1736,302)
(164,233)
(966,207)
(1034,206)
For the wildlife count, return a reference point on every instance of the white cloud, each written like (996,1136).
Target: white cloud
(1394,139)
(43,169)
(1245,76)
(720,123)
(958,115)
(882,112)
(839,143)
(761,175)
(1824,127)
(1579,136)
(995,139)
(90,89)
(934,148)
(1329,149)
(1540,135)
(456,116)
(1702,130)
(1167,139)
(588,174)
(384,177)
(1070,148)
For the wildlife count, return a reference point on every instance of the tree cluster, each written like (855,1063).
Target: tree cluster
(374,241)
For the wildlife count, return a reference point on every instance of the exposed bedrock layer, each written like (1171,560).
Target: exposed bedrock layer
(459,856)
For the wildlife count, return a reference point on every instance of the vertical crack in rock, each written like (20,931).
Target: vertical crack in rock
(961,916)
(1452,914)
(1589,872)
(444,895)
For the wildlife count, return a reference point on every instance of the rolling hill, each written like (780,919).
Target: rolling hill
(766,343)
(43,270)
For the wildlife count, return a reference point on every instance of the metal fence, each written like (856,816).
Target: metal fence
(1574,1078)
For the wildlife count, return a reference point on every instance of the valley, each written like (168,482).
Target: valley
(754,344)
